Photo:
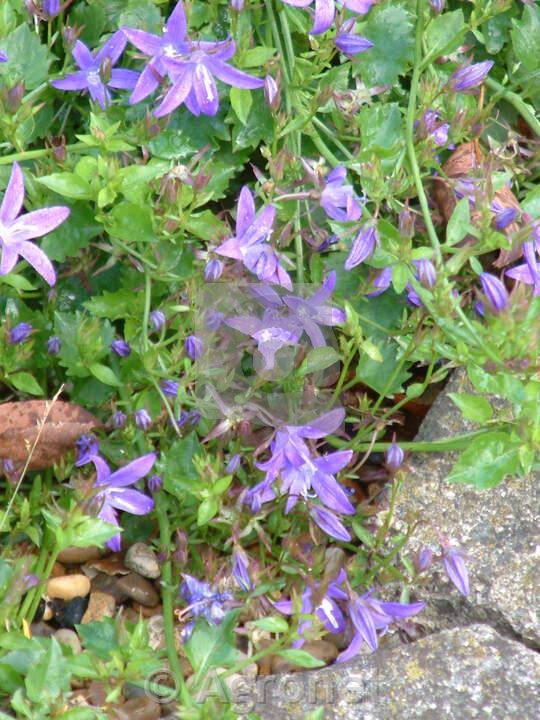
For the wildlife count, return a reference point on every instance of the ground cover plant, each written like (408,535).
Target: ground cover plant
(243,244)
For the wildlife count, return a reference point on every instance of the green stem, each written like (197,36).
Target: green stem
(37,570)
(37,596)
(36,154)
(514,99)
(411,113)
(147,304)
(333,137)
(458,442)
(168,592)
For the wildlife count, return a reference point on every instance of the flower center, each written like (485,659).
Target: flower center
(170,51)
(93,78)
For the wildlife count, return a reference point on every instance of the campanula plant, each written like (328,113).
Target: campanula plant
(242,246)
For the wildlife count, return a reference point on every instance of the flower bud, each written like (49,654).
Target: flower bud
(394,456)
(157,319)
(154,483)
(423,559)
(20,333)
(213,270)
(271,92)
(426,273)
(495,291)
(194,347)
(142,419)
(53,345)
(469,77)
(456,569)
(169,388)
(363,246)
(121,348)
(118,420)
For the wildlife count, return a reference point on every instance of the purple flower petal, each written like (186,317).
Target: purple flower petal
(9,259)
(14,196)
(113,48)
(83,56)
(131,501)
(330,524)
(353,649)
(72,81)
(245,214)
(132,472)
(232,76)
(37,223)
(177,94)
(363,622)
(324,16)
(331,494)
(123,79)
(146,42)
(38,260)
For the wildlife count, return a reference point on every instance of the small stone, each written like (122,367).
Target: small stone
(67,587)
(57,570)
(48,612)
(70,613)
(138,589)
(142,559)
(100,605)
(108,584)
(139,708)
(112,565)
(69,638)
(41,629)
(75,555)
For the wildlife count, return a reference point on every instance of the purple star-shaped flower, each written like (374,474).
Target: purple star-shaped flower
(314,311)
(97,73)
(272,332)
(114,494)
(325,11)
(190,66)
(338,199)
(203,601)
(369,615)
(3,57)
(300,472)
(327,610)
(250,244)
(16,231)
(348,42)
(529,272)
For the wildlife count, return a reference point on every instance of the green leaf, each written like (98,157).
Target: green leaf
(179,470)
(473,407)
(318,359)
(18,282)
(25,382)
(122,303)
(459,223)
(99,637)
(256,57)
(526,38)
(10,680)
(68,185)
(105,374)
(130,222)
(444,33)
(382,130)
(29,60)
(241,101)
(49,676)
(391,30)
(301,658)
(73,235)
(274,624)
(487,461)
(207,510)
(380,375)
(213,645)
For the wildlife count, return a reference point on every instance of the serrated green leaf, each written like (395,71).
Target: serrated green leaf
(487,461)
(212,645)
(391,30)
(473,407)
(29,60)
(526,38)
(49,676)
(99,637)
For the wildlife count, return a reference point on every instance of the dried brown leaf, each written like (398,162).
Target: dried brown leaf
(20,424)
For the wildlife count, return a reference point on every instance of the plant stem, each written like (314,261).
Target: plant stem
(168,599)
(514,99)
(36,154)
(411,112)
